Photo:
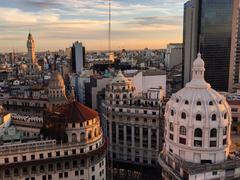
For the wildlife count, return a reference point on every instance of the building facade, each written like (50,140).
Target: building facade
(173,55)
(234,73)
(197,133)
(133,123)
(78,57)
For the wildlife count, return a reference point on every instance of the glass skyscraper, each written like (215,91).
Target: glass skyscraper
(212,22)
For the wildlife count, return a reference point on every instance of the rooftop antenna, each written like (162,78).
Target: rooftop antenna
(109,26)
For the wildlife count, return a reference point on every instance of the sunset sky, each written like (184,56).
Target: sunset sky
(56,24)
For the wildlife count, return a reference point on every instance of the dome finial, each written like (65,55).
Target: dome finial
(198,73)
(199,55)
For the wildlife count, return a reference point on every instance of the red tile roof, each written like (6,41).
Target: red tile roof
(77,112)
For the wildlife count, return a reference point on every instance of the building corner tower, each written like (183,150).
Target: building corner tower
(31,49)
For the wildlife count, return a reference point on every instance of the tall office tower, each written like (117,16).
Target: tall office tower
(197,133)
(173,55)
(208,29)
(78,57)
(31,48)
(234,74)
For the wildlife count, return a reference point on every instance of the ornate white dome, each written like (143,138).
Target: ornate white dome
(198,121)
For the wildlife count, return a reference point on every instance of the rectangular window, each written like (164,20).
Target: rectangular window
(65,174)
(93,169)
(57,153)
(65,153)
(76,173)
(49,177)
(171,136)
(60,175)
(24,158)
(49,154)
(32,157)
(81,172)
(234,109)
(197,143)
(15,159)
(40,156)
(213,143)
(74,151)
(6,160)
(224,141)
(182,140)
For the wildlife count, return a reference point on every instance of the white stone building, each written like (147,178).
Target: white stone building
(197,133)
(133,123)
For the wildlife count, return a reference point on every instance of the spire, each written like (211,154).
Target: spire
(198,70)
(30,36)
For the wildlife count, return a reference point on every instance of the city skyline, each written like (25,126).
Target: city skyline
(57,24)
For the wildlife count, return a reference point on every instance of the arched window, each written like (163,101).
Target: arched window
(210,103)
(183,115)
(186,102)
(198,132)
(74,137)
(198,117)
(199,103)
(225,115)
(172,113)
(182,130)
(213,132)
(95,132)
(225,131)
(171,126)
(90,135)
(214,117)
